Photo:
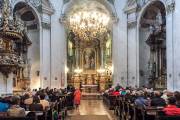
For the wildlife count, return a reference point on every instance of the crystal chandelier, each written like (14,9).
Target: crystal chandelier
(88,24)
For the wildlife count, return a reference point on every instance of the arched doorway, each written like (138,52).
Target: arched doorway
(152,46)
(30,77)
(89,56)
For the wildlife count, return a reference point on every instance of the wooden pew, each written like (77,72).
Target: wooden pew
(129,111)
(110,101)
(30,116)
(161,116)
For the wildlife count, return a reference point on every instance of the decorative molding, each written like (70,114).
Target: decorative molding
(131,6)
(47,7)
(131,20)
(170,7)
(132,24)
(35,3)
(63,19)
(46,10)
(46,25)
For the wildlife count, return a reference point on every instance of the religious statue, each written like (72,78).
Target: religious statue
(1,44)
(27,69)
(159,20)
(6,14)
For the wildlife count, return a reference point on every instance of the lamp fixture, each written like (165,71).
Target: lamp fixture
(88,24)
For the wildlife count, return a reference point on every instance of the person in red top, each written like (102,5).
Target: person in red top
(116,93)
(171,108)
(77,98)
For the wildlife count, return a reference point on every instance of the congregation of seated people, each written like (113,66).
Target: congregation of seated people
(35,101)
(145,98)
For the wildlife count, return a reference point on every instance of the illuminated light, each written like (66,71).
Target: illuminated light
(88,24)
(78,70)
(101,70)
(66,69)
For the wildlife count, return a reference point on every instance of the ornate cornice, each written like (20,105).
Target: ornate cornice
(36,3)
(131,19)
(131,6)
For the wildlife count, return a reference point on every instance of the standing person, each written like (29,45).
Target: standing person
(77,98)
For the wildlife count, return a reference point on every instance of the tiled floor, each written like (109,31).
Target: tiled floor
(92,107)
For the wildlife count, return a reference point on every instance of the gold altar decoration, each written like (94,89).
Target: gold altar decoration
(88,24)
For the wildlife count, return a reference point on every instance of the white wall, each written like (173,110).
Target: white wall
(34,56)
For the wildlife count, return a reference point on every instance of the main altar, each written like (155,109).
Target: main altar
(89,47)
(90,63)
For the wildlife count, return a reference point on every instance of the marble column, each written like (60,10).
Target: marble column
(132,49)
(119,45)
(174,12)
(170,47)
(46,52)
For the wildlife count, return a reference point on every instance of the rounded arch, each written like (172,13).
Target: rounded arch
(34,10)
(144,8)
(34,33)
(109,6)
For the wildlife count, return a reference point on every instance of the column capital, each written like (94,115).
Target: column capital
(170,6)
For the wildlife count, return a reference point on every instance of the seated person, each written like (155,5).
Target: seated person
(123,92)
(15,110)
(157,100)
(27,99)
(171,108)
(4,105)
(118,87)
(36,106)
(44,102)
(140,101)
(177,97)
(116,93)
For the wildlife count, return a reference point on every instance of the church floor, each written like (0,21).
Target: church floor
(91,110)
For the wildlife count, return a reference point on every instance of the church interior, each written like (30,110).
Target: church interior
(89,60)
